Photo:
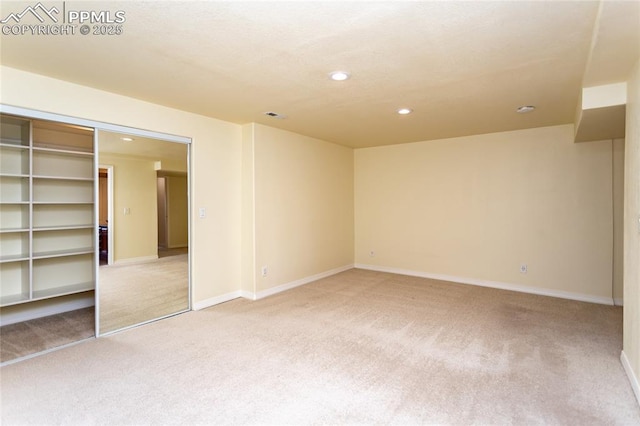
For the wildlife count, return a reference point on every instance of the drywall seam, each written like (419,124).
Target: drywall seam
(491,284)
(635,384)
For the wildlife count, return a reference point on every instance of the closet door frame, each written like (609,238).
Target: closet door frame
(115,128)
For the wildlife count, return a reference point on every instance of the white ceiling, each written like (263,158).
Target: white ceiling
(464,67)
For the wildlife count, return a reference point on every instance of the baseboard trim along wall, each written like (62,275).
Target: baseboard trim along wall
(293,284)
(27,311)
(492,284)
(216,300)
(635,384)
(618,302)
(271,291)
(134,260)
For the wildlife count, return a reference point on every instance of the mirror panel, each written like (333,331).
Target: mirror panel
(143,230)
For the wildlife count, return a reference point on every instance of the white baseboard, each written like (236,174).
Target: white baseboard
(293,284)
(618,301)
(247,295)
(216,300)
(633,379)
(262,294)
(492,284)
(44,308)
(134,260)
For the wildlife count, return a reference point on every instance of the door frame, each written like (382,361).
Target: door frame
(110,215)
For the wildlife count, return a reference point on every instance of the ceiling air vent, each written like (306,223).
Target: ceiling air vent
(275,115)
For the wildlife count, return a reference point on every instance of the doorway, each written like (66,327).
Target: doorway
(173,230)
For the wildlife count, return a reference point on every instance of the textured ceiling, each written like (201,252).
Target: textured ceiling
(463,67)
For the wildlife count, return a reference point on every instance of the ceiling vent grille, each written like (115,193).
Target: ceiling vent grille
(275,115)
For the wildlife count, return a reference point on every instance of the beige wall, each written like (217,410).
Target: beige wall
(248,282)
(215,166)
(178,165)
(631,322)
(477,207)
(135,235)
(303,206)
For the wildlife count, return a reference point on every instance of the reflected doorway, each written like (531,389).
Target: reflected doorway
(104,180)
(143,281)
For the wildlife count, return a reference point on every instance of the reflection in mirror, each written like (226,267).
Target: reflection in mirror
(143,230)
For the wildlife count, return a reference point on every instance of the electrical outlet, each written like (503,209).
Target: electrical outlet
(264,271)
(523,268)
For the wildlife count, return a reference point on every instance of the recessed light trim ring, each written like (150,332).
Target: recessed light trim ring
(339,75)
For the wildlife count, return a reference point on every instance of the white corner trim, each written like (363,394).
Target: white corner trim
(302,281)
(633,379)
(216,300)
(618,301)
(134,260)
(492,284)
(247,295)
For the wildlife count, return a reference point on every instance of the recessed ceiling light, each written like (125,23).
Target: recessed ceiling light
(127,139)
(339,75)
(404,111)
(525,109)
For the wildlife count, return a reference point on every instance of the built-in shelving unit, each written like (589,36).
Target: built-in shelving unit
(47,229)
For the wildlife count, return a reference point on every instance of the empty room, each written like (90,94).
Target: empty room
(319,212)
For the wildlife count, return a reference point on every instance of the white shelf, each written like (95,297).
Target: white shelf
(82,179)
(62,253)
(51,148)
(7,143)
(14,299)
(13,143)
(64,290)
(14,258)
(14,175)
(61,228)
(59,203)
(47,211)
(14,282)
(12,230)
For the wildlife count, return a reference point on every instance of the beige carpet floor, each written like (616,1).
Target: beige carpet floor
(37,335)
(357,348)
(131,294)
